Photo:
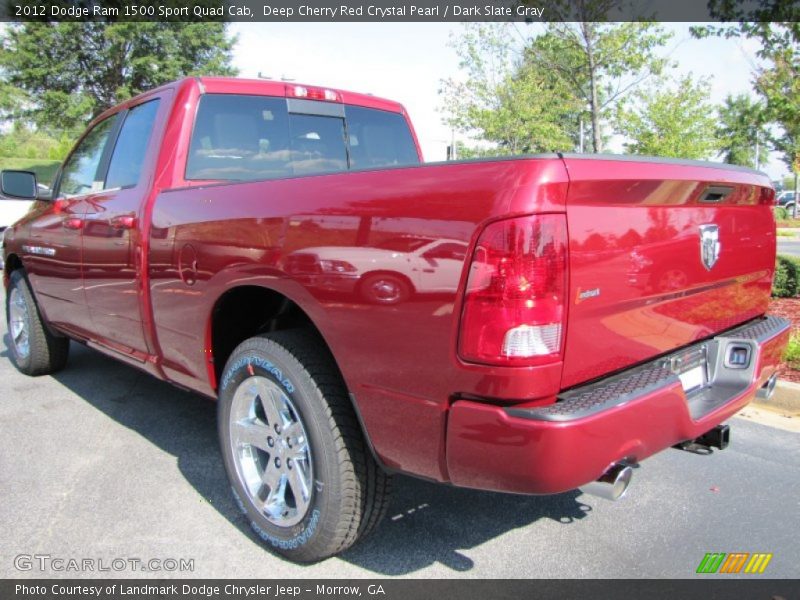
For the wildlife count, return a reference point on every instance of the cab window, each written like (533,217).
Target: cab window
(239,138)
(80,174)
(245,138)
(379,138)
(129,151)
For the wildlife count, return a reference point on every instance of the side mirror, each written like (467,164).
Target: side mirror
(18,184)
(44,193)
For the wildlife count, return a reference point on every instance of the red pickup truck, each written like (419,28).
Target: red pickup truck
(531,324)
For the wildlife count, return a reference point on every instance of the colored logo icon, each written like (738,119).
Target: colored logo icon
(735,562)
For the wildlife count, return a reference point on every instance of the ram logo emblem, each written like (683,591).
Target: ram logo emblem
(709,245)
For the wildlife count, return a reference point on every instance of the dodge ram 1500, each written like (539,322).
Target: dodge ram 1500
(531,324)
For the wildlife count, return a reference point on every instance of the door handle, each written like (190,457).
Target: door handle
(124,222)
(73,223)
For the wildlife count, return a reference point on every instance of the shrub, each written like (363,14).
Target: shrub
(785,282)
(781,214)
(792,353)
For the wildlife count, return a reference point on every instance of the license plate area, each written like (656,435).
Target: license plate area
(691,367)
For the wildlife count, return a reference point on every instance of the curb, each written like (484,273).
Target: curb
(786,397)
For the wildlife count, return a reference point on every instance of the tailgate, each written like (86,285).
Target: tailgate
(662,253)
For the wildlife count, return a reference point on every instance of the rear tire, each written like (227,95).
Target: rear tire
(294,453)
(34,348)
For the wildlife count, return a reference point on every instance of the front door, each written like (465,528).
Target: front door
(54,256)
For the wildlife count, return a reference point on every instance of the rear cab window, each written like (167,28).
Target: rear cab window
(379,138)
(246,138)
(128,157)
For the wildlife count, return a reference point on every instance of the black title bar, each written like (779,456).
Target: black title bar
(398,10)
(397,589)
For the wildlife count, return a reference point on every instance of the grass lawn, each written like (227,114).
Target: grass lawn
(44,169)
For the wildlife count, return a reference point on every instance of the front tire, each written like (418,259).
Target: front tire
(294,453)
(34,348)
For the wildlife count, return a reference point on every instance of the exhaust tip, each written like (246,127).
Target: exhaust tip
(612,485)
(767,391)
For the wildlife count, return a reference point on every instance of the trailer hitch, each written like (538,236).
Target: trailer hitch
(719,438)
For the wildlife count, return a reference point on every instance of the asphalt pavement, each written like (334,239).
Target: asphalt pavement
(790,246)
(102,462)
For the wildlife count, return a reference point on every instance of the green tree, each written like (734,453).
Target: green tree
(600,62)
(776,25)
(741,130)
(670,121)
(503,102)
(70,72)
(24,142)
(539,88)
(779,84)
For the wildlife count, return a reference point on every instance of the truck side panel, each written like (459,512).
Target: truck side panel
(398,356)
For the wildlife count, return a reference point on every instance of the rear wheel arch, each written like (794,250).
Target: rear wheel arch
(247,311)
(225,331)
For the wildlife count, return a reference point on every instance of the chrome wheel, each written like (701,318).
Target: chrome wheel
(18,323)
(271,451)
(384,289)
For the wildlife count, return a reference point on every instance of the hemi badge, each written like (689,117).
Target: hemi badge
(586,294)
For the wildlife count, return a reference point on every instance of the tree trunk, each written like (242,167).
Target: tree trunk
(597,141)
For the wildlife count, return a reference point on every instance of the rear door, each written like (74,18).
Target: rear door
(661,255)
(112,234)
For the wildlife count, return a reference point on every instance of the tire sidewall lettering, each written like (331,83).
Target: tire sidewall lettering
(256,361)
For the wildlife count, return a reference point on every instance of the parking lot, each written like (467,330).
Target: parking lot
(104,462)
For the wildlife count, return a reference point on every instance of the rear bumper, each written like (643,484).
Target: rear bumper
(625,417)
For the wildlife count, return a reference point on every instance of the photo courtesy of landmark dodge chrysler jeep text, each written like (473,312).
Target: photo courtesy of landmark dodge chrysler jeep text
(529,325)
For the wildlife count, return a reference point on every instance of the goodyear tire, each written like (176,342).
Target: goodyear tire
(294,453)
(34,348)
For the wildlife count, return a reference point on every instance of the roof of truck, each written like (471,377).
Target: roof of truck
(262,87)
(256,87)
(269,87)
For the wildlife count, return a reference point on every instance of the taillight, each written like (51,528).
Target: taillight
(514,300)
(313,93)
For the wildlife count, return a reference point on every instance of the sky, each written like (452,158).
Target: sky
(406,62)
